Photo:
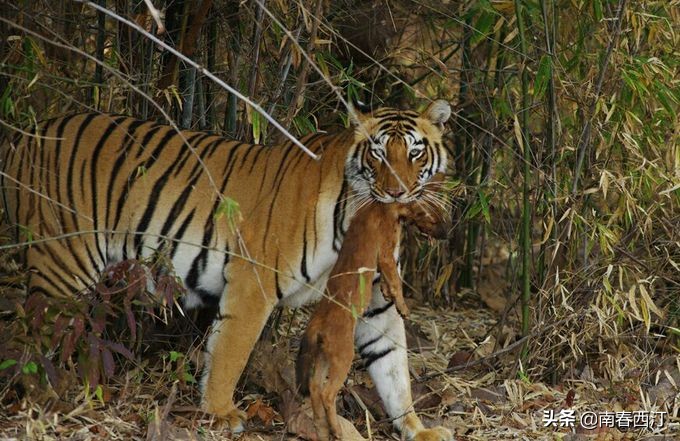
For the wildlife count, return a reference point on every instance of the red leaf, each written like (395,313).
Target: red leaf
(49,370)
(68,346)
(58,332)
(109,365)
(119,348)
(78,326)
(132,324)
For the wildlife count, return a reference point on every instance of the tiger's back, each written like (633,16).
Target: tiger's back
(89,190)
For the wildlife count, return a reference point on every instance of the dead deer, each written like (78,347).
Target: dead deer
(327,346)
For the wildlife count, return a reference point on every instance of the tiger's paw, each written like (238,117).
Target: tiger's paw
(434,434)
(232,419)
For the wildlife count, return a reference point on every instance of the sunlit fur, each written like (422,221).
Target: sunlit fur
(90,190)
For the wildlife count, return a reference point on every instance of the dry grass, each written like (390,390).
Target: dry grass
(155,398)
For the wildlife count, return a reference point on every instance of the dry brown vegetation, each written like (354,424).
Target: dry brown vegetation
(559,286)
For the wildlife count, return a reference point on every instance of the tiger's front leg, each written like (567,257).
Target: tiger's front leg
(381,341)
(244,310)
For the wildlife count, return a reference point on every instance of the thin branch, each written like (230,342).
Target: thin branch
(155,13)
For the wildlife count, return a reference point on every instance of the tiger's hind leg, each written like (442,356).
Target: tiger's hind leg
(243,312)
(381,341)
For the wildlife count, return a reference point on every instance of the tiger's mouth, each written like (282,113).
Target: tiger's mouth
(399,196)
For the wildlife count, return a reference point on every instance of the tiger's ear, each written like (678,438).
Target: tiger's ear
(438,112)
(357,112)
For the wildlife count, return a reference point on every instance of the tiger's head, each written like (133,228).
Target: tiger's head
(397,152)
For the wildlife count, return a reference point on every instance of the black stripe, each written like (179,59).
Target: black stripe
(303,263)
(57,169)
(208,298)
(283,164)
(276,186)
(200,166)
(361,348)
(165,140)
(245,157)
(147,137)
(339,216)
(152,202)
(195,143)
(126,188)
(60,264)
(230,164)
(214,146)
(93,178)
(71,163)
(122,157)
(177,208)
(435,157)
(398,118)
(200,260)
(377,311)
(279,293)
(180,233)
(150,210)
(375,356)
(260,149)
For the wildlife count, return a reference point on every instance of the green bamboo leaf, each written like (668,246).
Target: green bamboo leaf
(7,364)
(321,62)
(597,9)
(482,27)
(665,97)
(543,76)
(230,208)
(30,368)
(484,206)
(99,393)
(255,119)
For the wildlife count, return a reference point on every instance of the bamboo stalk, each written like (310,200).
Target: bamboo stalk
(525,146)
(257,40)
(209,94)
(584,140)
(551,135)
(190,93)
(231,110)
(297,101)
(99,51)
(460,243)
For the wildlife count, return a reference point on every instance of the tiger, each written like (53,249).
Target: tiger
(247,227)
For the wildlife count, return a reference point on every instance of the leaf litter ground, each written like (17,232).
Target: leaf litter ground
(464,368)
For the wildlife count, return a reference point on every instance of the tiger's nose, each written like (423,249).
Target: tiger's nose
(395,192)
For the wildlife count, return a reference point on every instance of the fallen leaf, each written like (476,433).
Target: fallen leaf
(264,412)
(459,358)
